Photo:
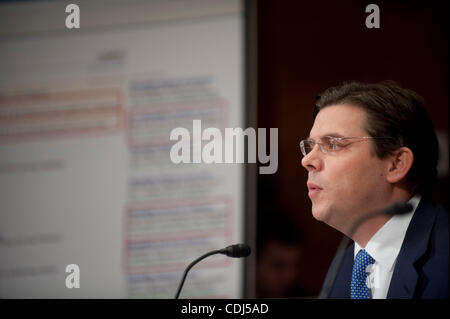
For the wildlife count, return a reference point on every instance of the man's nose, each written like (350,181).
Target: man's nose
(312,161)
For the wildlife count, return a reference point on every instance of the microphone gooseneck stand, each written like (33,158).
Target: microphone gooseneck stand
(235,251)
(191,265)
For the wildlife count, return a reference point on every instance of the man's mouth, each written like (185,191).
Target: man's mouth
(313,189)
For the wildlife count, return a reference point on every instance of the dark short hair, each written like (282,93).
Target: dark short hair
(398,113)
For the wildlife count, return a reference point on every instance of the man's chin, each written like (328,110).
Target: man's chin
(325,215)
(319,214)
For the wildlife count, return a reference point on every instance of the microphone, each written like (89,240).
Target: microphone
(400,208)
(235,251)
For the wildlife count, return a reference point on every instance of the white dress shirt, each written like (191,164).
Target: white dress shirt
(384,247)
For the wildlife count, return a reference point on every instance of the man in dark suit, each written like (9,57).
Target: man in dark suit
(371,146)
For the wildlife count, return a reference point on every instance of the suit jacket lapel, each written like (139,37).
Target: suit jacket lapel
(405,277)
(341,287)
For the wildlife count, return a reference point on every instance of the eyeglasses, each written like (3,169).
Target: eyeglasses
(331,144)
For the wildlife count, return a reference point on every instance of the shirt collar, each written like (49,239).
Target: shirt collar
(385,244)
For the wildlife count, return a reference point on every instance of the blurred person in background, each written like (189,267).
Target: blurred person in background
(279,253)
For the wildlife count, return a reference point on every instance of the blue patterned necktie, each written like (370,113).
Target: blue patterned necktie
(358,287)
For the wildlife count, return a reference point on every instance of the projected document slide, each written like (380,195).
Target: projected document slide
(86,177)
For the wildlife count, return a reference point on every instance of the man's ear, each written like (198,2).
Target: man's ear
(399,165)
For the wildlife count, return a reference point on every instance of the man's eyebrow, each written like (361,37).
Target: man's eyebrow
(330,135)
(334,135)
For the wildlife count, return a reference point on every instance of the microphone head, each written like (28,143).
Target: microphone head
(399,209)
(237,251)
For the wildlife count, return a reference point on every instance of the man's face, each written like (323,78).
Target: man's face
(349,182)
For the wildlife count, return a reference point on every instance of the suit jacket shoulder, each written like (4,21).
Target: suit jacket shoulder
(422,266)
(341,286)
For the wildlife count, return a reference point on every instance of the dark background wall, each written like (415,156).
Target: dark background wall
(305,47)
